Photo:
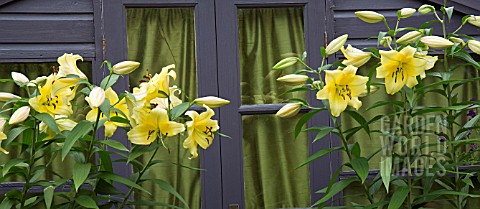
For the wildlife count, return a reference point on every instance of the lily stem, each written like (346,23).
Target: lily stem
(30,165)
(140,174)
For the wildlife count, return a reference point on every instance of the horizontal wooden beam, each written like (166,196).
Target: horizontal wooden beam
(159,3)
(262,109)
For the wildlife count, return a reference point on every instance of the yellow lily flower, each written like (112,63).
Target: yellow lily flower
(159,82)
(343,88)
(200,130)
(355,57)
(110,127)
(431,60)
(400,68)
(151,125)
(55,96)
(68,65)
(3,136)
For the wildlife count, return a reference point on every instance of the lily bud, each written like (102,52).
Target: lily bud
(406,12)
(19,77)
(125,67)
(474,46)
(457,40)
(4,96)
(336,44)
(369,16)
(20,115)
(211,101)
(409,37)
(293,79)
(289,110)
(474,20)
(355,57)
(285,63)
(96,97)
(318,85)
(386,41)
(436,42)
(425,9)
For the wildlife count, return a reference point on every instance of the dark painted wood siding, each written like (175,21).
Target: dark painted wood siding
(359,31)
(45,29)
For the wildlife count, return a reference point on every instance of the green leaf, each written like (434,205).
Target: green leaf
(318,155)
(179,110)
(112,81)
(105,108)
(285,63)
(80,130)
(86,201)
(462,133)
(6,203)
(398,197)
(49,121)
(168,188)
(335,188)
(80,174)
(11,163)
(119,119)
(122,180)
(115,144)
(48,196)
(386,171)
(106,161)
(360,119)
(355,149)
(360,166)
(465,56)
(14,133)
(304,119)
(323,132)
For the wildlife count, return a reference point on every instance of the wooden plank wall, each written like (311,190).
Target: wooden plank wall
(45,29)
(359,31)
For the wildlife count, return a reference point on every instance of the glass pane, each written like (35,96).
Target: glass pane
(80,109)
(270,157)
(267,35)
(158,37)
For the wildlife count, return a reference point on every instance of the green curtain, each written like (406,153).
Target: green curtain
(158,37)
(32,71)
(267,35)
(370,145)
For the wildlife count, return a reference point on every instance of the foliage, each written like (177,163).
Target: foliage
(415,172)
(42,128)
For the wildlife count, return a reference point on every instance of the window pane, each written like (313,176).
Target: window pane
(80,109)
(267,35)
(158,37)
(270,158)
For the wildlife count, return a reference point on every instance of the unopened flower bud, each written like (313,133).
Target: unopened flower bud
(211,101)
(125,67)
(20,115)
(425,9)
(409,37)
(336,44)
(318,84)
(436,42)
(19,77)
(457,40)
(289,110)
(406,12)
(4,96)
(369,16)
(474,20)
(96,97)
(293,79)
(285,63)
(474,45)
(386,41)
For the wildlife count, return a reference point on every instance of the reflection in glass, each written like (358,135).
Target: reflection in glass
(80,109)
(158,37)
(270,157)
(267,35)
